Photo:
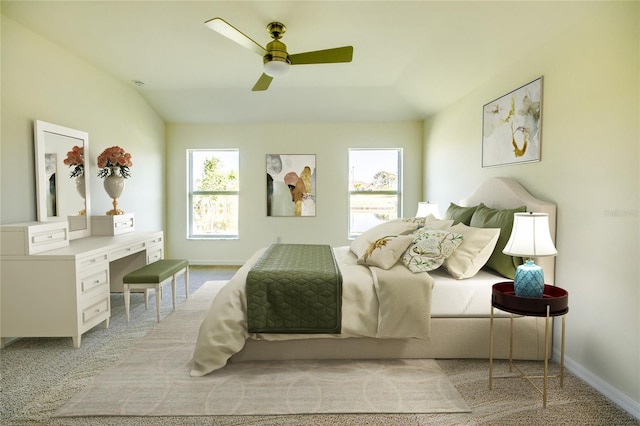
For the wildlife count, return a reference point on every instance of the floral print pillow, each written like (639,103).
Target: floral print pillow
(429,249)
(386,251)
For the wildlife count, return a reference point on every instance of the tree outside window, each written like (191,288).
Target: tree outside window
(375,178)
(213,193)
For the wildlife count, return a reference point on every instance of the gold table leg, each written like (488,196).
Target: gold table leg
(511,343)
(491,349)
(546,359)
(562,354)
(547,347)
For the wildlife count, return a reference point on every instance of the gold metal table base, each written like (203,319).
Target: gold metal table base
(512,366)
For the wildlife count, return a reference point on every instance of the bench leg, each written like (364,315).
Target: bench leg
(158,296)
(186,283)
(173,291)
(126,301)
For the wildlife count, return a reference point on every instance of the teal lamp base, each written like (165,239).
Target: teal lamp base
(529,280)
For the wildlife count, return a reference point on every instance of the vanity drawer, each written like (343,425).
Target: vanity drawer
(154,254)
(92,261)
(94,282)
(33,237)
(126,250)
(157,240)
(112,224)
(96,310)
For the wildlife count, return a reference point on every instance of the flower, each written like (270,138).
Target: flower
(114,157)
(75,159)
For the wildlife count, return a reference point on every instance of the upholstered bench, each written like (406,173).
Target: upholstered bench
(153,276)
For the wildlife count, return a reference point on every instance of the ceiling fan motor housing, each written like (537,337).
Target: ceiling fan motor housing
(277,51)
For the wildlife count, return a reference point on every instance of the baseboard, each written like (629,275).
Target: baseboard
(623,401)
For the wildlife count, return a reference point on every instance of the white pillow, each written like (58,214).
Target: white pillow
(360,245)
(429,249)
(417,220)
(473,253)
(431,222)
(385,252)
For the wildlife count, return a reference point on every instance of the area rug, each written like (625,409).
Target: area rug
(152,379)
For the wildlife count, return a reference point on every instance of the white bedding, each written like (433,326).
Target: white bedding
(375,303)
(468,298)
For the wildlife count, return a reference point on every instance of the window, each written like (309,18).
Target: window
(375,182)
(213,193)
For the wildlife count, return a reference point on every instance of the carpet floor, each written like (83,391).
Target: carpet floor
(152,379)
(39,376)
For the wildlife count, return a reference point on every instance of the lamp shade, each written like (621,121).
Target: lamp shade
(426,208)
(530,236)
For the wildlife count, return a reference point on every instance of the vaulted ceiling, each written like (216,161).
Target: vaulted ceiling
(411,58)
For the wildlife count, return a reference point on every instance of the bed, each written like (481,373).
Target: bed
(452,319)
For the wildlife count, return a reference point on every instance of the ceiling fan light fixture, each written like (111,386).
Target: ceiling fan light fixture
(276,68)
(275,57)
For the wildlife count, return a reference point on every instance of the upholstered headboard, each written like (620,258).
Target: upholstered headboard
(507,193)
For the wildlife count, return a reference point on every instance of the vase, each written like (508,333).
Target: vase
(80,187)
(114,185)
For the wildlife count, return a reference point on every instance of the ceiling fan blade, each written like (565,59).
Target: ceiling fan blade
(221,26)
(327,56)
(263,83)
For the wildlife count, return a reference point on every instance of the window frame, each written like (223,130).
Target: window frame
(399,192)
(191,193)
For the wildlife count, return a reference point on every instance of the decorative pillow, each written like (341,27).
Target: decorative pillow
(385,252)
(360,245)
(431,222)
(473,253)
(417,220)
(460,214)
(485,217)
(429,249)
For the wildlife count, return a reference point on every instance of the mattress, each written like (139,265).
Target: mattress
(468,298)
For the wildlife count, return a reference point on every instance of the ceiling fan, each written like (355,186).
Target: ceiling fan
(275,57)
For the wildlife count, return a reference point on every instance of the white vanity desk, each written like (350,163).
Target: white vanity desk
(65,291)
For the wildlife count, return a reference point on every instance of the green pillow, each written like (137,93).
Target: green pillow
(484,217)
(460,214)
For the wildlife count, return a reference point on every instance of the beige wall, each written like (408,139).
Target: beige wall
(41,81)
(330,143)
(589,167)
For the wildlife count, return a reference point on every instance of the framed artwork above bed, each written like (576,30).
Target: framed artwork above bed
(291,185)
(511,127)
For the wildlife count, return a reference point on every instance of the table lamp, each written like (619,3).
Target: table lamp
(426,208)
(530,237)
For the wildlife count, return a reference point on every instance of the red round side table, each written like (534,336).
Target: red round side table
(554,302)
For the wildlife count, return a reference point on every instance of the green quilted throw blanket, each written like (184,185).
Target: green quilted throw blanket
(295,288)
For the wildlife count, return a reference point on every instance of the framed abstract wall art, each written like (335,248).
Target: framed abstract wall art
(291,185)
(511,127)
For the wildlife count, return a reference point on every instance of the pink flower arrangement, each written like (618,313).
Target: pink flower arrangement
(75,159)
(112,158)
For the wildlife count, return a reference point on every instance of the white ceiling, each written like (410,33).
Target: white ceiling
(411,58)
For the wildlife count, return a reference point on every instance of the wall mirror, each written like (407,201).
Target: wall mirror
(63,189)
